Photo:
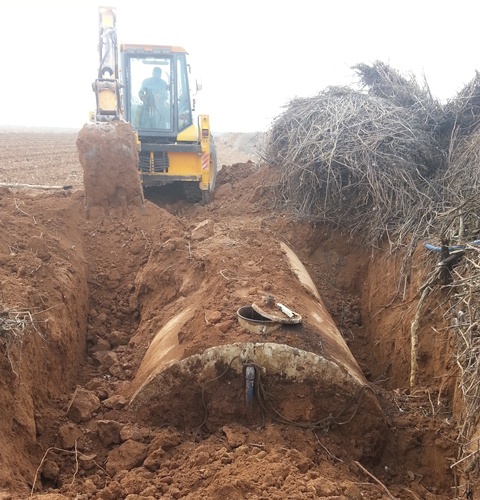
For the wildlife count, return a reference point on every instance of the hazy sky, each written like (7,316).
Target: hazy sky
(252,56)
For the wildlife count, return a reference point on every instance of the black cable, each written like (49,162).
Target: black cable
(264,400)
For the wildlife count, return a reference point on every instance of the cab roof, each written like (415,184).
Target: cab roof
(151,49)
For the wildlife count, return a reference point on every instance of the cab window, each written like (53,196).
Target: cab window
(151,93)
(183,96)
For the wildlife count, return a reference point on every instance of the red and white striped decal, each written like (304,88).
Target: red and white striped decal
(205,161)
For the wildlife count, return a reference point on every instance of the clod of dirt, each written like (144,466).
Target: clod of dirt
(127,456)
(83,405)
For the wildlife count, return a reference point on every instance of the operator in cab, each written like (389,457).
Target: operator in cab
(154,95)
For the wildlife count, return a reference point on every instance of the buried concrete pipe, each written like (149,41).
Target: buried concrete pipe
(318,387)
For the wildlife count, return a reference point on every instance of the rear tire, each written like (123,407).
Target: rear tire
(207,197)
(213,166)
(192,191)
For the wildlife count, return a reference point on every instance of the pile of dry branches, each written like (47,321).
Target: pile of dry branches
(381,80)
(356,160)
(385,159)
(461,180)
(463,112)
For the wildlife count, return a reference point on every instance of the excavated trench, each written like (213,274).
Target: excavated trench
(192,374)
(196,351)
(164,350)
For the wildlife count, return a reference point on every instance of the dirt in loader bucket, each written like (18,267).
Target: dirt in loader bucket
(108,154)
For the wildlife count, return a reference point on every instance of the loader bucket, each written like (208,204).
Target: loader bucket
(109,157)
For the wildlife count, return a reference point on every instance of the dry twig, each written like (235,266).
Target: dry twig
(371,476)
(74,452)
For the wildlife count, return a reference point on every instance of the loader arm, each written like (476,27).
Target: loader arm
(107,84)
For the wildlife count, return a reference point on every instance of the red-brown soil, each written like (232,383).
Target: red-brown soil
(108,154)
(84,299)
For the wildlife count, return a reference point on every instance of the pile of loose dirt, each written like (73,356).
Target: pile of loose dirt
(98,292)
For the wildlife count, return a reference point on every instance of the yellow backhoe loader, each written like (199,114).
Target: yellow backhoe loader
(148,87)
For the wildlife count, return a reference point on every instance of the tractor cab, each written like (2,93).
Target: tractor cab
(174,146)
(156,90)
